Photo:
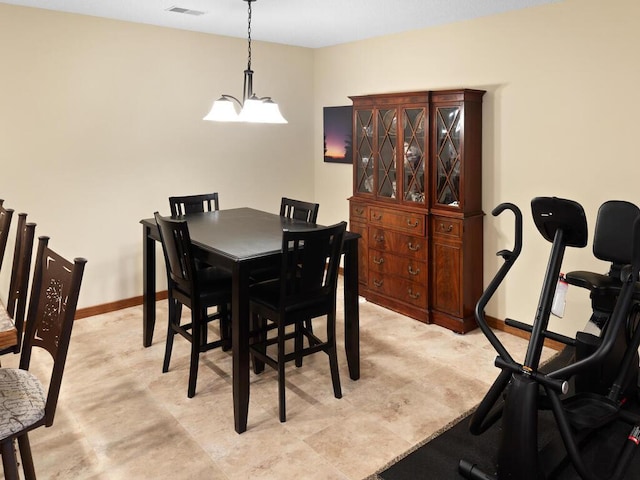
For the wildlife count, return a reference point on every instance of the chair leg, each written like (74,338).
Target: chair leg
(308,325)
(27,459)
(9,462)
(298,343)
(333,355)
(281,395)
(195,352)
(258,324)
(225,327)
(204,328)
(175,311)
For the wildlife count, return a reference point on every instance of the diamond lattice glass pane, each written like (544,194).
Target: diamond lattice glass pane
(448,156)
(386,153)
(364,139)
(413,165)
(446,196)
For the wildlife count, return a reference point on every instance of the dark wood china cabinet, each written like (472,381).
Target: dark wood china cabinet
(417,178)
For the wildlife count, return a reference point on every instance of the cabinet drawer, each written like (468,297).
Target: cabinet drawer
(400,289)
(383,263)
(413,223)
(358,212)
(398,243)
(451,227)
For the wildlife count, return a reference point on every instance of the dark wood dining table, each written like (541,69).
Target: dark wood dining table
(242,240)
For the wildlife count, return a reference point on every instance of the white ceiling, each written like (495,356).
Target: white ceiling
(306,23)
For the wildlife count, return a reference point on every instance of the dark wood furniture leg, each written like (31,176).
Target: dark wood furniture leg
(148,286)
(351,308)
(240,345)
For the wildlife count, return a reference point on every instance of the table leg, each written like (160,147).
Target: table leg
(240,346)
(351,308)
(148,287)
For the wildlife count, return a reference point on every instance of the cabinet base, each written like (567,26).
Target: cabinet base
(416,313)
(456,324)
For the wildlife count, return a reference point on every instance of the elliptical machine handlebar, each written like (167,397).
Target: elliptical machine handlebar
(509,257)
(485,415)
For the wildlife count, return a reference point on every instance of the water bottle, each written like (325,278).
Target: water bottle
(560,297)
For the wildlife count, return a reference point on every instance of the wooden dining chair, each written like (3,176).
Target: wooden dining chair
(196,288)
(6,214)
(299,210)
(26,403)
(12,314)
(305,288)
(207,202)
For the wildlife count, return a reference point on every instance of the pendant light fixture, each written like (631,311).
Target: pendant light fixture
(252,108)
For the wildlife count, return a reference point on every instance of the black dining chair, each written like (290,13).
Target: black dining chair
(305,289)
(26,403)
(181,205)
(12,314)
(196,288)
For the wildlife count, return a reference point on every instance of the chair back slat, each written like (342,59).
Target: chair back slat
(19,283)
(299,210)
(52,306)
(183,205)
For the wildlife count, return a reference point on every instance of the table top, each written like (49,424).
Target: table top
(239,234)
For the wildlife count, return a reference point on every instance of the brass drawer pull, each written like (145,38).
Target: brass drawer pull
(378,283)
(378,261)
(412,271)
(376,216)
(378,238)
(415,296)
(414,224)
(414,248)
(359,211)
(446,229)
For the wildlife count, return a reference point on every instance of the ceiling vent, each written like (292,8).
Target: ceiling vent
(186,11)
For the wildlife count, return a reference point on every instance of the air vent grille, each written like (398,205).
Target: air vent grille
(186,11)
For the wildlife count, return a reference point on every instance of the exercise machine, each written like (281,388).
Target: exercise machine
(522,391)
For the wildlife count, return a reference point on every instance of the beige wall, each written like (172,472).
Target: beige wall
(560,118)
(101,120)
(100,123)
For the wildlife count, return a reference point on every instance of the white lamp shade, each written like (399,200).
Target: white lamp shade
(271,112)
(222,110)
(256,110)
(251,111)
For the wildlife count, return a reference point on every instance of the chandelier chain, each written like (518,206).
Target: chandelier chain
(249,36)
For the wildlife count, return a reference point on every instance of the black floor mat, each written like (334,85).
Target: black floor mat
(438,459)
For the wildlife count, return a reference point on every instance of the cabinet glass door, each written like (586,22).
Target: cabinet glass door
(448,128)
(386,136)
(364,151)
(413,125)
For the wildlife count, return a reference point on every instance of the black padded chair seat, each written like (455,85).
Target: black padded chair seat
(267,294)
(215,284)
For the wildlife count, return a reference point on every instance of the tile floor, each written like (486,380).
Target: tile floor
(119,417)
